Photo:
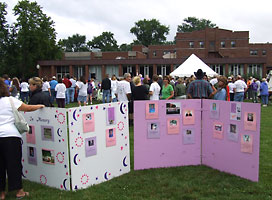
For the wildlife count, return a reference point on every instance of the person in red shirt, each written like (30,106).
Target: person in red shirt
(68,84)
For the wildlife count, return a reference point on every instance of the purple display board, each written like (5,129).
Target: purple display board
(166,148)
(219,134)
(237,152)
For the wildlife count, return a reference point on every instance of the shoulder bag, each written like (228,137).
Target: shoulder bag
(20,121)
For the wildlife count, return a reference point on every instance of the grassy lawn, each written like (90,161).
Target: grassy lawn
(191,182)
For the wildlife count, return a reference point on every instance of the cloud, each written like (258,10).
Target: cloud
(92,17)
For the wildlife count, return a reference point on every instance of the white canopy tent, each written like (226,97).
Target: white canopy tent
(191,65)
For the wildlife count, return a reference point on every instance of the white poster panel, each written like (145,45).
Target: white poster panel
(45,148)
(99,143)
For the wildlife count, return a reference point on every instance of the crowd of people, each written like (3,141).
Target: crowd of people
(66,90)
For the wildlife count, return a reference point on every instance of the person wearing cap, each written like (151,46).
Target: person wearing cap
(199,88)
(239,89)
(264,92)
(53,84)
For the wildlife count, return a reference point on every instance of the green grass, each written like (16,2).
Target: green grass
(188,183)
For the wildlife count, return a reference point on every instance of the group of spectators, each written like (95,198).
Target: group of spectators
(68,89)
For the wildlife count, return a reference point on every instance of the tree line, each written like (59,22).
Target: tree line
(32,37)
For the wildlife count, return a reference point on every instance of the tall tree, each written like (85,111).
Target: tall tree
(104,42)
(76,43)
(194,24)
(36,37)
(149,32)
(3,36)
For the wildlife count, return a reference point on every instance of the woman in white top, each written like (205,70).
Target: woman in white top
(231,88)
(60,90)
(114,83)
(11,143)
(155,88)
(24,91)
(82,86)
(46,87)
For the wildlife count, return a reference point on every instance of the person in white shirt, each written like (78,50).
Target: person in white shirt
(231,88)
(46,87)
(82,87)
(11,143)
(24,91)
(114,83)
(123,91)
(60,90)
(154,90)
(240,88)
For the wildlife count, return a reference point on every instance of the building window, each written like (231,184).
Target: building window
(223,44)
(253,52)
(191,44)
(233,44)
(264,52)
(201,44)
(154,53)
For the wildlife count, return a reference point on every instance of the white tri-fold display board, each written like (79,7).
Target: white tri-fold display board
(97,150)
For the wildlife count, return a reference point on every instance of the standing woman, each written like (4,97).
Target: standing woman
(24,91)
(82,93)
(90,92)
(15,88)
(60,90)
(46,87)
(114,83)
(264,92)
(11,143)
(167,89)
(37,96)
(221,93)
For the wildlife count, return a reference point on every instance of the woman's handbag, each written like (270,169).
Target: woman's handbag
(20,121)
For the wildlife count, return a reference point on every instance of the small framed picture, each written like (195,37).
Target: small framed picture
(48,156)
(48,133)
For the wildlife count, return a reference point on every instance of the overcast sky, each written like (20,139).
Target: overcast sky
(92,17)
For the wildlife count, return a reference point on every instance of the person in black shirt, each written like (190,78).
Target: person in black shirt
(36,95)
(106,86)
(139,92)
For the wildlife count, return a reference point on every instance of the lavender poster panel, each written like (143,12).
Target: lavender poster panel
(225,155)
(169,150)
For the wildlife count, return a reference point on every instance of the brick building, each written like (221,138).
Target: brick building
(226,52)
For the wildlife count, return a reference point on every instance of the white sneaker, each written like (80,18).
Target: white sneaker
(264,105)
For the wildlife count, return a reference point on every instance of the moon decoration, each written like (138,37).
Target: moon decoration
(64,181)
(105,176)
(75,159)
(124,161)
(58,132)
(23,174)
(74,115)
(121,108)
